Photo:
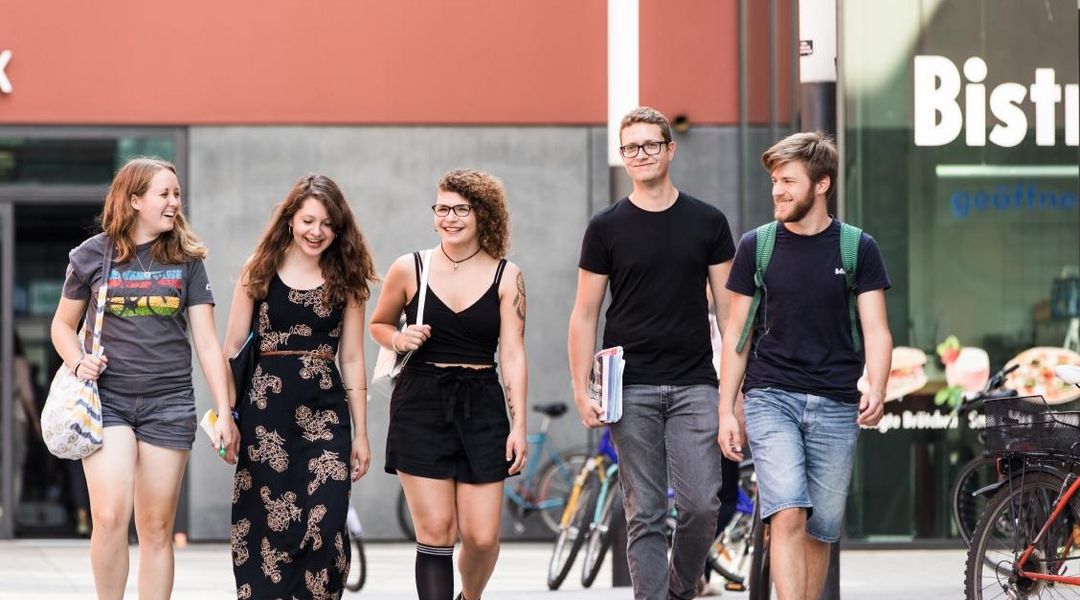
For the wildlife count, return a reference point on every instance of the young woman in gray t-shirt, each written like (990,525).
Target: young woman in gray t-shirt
(156,286)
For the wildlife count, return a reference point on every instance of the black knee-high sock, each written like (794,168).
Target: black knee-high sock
(434,572)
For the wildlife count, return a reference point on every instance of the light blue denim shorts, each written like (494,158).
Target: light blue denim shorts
(804,448)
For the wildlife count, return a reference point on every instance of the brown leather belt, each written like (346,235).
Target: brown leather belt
(313,353)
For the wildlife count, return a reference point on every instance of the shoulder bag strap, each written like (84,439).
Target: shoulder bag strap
(103,292)
(425,269)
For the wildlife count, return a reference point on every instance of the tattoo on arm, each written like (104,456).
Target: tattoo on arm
(509,404)
(519,300)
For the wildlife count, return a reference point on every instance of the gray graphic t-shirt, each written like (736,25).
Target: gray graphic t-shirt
(144,333)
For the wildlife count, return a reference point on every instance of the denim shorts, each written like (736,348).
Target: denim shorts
(166,420)
(804,448)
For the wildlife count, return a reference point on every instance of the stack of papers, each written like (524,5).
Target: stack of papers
(606,385)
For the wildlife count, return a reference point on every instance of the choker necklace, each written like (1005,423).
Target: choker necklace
(458,262)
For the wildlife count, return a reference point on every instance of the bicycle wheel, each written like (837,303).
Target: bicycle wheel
(404,518)
(1013,518)
(570,538)
(731,552)
(966,509)
(760,578)
(600,533)
(358,566)
(554,487)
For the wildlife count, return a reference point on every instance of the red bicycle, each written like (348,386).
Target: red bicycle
(1027,544)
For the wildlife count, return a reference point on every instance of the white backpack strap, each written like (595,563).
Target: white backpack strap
(425,269)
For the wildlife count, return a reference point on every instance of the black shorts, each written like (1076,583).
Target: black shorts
(448,423)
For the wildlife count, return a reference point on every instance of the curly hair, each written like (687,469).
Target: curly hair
(176,246)
(487,196)
(346,263)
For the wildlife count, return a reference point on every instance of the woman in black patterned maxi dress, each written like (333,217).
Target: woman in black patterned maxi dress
(291,490)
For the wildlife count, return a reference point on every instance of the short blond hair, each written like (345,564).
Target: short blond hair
(814,149)
(645,114)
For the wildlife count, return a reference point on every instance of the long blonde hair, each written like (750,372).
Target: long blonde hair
(118,218)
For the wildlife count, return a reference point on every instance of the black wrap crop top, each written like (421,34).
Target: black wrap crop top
(468,337)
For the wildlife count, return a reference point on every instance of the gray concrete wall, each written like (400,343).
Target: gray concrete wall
(556,177)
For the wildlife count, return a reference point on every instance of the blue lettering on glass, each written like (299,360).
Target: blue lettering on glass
(1010,197)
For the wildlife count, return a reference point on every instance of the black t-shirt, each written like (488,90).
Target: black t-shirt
(802,332)
(657,265)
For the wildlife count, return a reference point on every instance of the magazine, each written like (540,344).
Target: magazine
(605,386)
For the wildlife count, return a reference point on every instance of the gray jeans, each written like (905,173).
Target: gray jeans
(668,433)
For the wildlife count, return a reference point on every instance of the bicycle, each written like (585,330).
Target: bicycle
(980,477)
(968,493)
(734,545)
(729,550)
(1030,532)
(578,512)
(545,493)
(358,565)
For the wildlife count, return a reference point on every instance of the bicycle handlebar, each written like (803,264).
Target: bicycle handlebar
(993,384)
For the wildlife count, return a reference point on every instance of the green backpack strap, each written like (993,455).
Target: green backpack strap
(849,254)
(766,239)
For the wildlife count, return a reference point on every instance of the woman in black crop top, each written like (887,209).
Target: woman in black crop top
(449,438)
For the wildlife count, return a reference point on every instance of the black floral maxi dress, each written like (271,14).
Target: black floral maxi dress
(291,489)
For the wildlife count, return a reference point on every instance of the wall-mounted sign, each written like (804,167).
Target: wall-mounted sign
(939,117)
(5,83)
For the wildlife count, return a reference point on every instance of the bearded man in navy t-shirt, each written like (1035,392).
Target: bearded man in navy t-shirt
(799,370)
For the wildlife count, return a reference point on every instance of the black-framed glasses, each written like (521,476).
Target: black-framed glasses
(650,148)
(443,210)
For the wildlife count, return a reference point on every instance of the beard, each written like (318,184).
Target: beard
(797,209)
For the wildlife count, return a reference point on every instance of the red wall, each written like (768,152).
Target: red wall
(356,61)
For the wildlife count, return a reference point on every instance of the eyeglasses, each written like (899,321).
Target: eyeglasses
(443,210)
(650,148)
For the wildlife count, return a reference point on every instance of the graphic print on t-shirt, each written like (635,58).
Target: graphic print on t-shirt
(145,294)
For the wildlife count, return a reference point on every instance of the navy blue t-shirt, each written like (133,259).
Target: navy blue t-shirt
(802,332)
(657,265)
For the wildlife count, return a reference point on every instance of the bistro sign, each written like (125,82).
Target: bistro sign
(923,419)
(940,93)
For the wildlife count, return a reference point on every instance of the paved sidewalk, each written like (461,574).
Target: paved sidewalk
(60,570)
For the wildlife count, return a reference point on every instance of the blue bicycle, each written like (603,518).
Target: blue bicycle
(540,489)
(732,550)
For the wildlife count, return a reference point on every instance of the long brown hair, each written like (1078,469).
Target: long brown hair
(346,263)
(118,217)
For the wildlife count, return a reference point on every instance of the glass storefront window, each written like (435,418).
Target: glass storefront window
(74,161)
(960,122)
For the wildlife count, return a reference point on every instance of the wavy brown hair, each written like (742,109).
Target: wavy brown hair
(118,217)
(816,150)
(487,196)
(346,263)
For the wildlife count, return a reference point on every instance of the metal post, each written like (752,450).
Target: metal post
(7,368)
(620,568)
(744,102)
(817,75)
(623,90)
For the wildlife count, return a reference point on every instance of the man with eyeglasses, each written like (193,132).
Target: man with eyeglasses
(657,249)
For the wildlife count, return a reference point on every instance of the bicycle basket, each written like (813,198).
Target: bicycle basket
(1027,425)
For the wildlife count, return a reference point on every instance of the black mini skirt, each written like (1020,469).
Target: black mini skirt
(448,423)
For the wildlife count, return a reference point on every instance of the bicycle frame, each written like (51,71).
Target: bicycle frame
(537,443)
(1059,506)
